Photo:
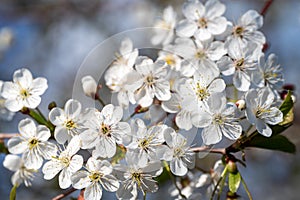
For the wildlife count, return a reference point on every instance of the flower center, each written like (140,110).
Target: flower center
(24,94)
(201,92)
(95,176)
(105,130)
(33,143)
(178,152)
(259,111)
(144,144)
(137,176)
(70,124)
(169,59)
(150,80)
(200,54)
(65,161)
(218,119)
(239,64)
(202,23)
(238,31)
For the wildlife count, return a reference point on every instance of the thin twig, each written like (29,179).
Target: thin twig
(246,189)
(7,135)
(207,149)
(266,7)
(63,195)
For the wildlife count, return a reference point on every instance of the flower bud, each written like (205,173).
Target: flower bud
(52,105)
(89,86)
(241,104)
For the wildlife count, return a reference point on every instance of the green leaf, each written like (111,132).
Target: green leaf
(287,104)
(13,193)
(234,181)
(275,142)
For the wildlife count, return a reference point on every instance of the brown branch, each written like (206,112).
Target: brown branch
(266,7)
(7,135)
(209,150)
(63,195)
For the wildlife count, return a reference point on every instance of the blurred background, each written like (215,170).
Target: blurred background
(52,38)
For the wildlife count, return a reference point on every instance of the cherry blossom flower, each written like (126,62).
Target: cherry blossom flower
(65,163)
(151,83)
(268,73)
(218,119)
(246,30)
(202,21)
(104,130)
(89,86)
(260,112)
(67,121)
(136,174)
(179,154)
(22,174)
(24,91)
(32,143)
(98,175)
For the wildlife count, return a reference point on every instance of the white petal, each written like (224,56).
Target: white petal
(183,120)
(72,108)
(214,8)
(89,86)
(178,167)
(211,135)
(126,46)
(218,85)
(162,91)
(186,28)
(106,148)
(12,162)
(14,105)
(241,81)
(39,86)
(226,66)
(27,128)
(32,159)
(75,163)
(23,77)
(10,90)
(172,105)
(232,131)
(110,183)
(16,145)
(64,179)
(252,19)
(192,10)
(217,26)
(202,119)
(263,128)
(80,179)
(202,34)
(57,116)
(51,169)
(43,133)
(74,145)
(32,101)
(93,192)
(61,134)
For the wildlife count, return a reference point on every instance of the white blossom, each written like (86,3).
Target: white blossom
(260,112)
(66,163)
(24,91)
(269,73)
(67,121)
(97,175)
(22,174)
(179,154)
(5,114)
(202,21)
(151,82)
(136,174)
(246,30)
(218,119)
(104,130)
(32,143)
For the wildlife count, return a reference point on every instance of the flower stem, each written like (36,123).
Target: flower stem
(39,118)
(100,101)
(246,188)
(266,7)
(63,195)
(223,176)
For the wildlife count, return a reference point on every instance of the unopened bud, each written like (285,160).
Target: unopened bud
(52,105)
(25,111)
(89,86)
(140,109)
(294,99)
(241,104)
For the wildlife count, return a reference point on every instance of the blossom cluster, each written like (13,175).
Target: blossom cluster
(211,75)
